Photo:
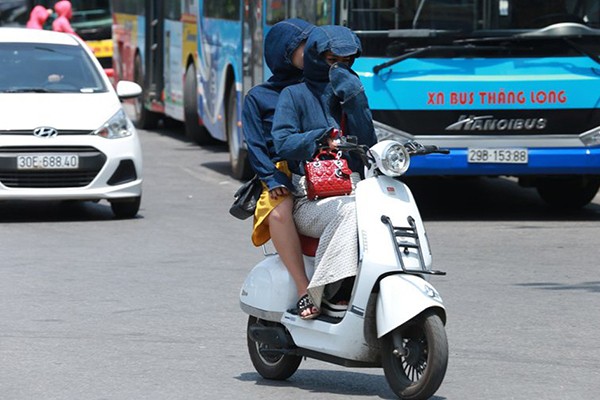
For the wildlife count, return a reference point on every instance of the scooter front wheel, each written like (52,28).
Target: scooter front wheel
(270,361)
(415,356)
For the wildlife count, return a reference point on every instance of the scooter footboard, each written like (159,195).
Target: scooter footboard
(402,297)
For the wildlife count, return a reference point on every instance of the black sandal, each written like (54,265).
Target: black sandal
(305,304)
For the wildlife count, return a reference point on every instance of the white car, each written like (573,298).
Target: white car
(63,132)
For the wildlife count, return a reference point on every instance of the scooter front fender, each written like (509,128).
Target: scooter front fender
(401,298)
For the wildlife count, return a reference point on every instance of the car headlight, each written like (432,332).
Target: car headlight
(118,126)
(391,157)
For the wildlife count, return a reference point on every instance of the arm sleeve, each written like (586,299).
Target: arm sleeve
(359,119)
(291,142)
(345,82)
(258,150)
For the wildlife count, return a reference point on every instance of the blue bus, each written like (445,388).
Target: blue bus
(196,59)
(509,86)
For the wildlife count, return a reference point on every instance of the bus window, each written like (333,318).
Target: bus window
(222,9)
(379,15)
(443,14)
(540,13)
(173,10)
(318,12)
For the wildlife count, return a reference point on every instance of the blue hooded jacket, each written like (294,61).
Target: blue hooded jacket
(306,113)
(259,104)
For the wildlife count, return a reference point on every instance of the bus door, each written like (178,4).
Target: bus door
(154,79)
(253,44)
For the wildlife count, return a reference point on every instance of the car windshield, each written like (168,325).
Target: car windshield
(47,68)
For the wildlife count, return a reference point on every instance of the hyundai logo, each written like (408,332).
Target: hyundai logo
(45,131)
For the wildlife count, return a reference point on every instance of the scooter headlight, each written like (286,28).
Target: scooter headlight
(391,157)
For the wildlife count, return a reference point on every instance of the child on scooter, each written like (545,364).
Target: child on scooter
(307,117)
(273,220)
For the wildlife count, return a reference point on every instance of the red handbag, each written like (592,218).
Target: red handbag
(327,177)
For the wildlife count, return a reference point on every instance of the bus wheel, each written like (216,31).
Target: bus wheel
(568,193)
(143,118)
(194,130)
(238,157)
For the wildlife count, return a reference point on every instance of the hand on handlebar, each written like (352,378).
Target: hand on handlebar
(334,139)
(415,148)
(333,143)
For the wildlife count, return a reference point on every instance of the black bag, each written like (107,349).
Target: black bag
(246,198)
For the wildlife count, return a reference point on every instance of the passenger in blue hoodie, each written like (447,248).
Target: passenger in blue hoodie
(284,51)
(309,116)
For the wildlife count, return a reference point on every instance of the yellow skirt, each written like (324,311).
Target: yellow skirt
(260,232)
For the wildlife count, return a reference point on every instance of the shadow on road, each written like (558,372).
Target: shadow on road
(590,287)
(336,382)
(487,199)
(55,211)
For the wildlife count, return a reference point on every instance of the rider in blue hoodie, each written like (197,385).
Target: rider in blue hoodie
(308,113)
(284,51)
(309,116)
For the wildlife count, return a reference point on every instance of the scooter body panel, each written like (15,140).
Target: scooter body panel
(401,298)
(344,339)
(376,197)
(269,289)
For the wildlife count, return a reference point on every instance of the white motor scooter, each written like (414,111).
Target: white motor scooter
(395,318)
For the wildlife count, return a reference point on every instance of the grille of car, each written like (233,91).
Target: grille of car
(91,161)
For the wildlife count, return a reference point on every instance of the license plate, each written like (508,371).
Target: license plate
(496,155)
(47,161)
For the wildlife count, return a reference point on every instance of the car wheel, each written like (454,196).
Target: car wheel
(126,208)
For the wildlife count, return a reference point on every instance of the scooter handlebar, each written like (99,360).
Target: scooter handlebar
(417,149)
(429,149)
(414,148)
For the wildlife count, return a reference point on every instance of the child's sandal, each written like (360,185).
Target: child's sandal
(306,305)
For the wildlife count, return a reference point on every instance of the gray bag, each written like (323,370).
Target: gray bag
(246,198)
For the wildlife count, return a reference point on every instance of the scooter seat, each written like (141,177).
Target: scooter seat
(309,245)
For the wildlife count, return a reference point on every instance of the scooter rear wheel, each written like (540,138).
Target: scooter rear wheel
(416,370)
(267,361)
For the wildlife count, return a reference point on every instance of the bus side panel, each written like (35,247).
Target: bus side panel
(189,42)
(174,69)
(141,40)
(220,49)
(126,38)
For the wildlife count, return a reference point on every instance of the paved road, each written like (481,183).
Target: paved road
(96,308)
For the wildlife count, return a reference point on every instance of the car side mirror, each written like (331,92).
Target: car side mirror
(128,90)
